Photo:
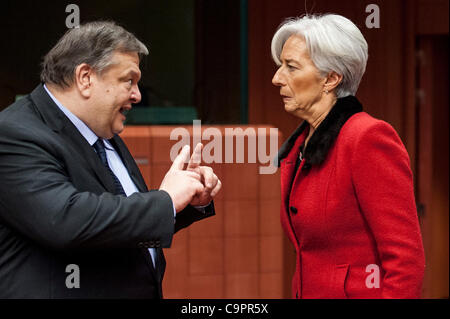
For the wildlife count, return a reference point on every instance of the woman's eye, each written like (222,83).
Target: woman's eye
(290,67)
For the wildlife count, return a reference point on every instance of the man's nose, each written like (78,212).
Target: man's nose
(136,95)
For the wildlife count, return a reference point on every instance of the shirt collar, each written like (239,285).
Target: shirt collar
(87,133)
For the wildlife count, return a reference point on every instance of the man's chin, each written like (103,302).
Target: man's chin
(118,129)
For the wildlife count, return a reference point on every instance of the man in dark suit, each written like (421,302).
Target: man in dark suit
(71,195)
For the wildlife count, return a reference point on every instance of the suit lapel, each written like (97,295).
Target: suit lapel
(79,147)
(288,171)
(90,157)
(157,270)
(289,156)
(130,164)
(289,143)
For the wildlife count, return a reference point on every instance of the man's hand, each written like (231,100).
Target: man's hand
(210,181)
(182,185)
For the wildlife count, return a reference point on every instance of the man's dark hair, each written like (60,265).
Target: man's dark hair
(92,43)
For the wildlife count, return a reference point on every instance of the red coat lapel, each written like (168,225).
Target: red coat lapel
(287,173)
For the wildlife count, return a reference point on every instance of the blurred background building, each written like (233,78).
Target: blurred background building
(210,59)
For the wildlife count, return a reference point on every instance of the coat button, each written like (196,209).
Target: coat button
(158,243)
(293,210)
(141,245)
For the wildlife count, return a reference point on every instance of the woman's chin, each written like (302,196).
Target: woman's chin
(290,108)
(294,110)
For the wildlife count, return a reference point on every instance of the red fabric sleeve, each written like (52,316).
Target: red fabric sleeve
(383,183)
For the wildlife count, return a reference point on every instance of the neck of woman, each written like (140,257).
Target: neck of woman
(320,112)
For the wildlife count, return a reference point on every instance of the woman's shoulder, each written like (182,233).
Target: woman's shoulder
(362,126)
(362,122)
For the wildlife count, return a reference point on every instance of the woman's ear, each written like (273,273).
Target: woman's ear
(333,80)
(83,79)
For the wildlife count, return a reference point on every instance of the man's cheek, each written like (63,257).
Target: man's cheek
(118,125)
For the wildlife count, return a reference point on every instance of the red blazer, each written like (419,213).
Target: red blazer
(354,209)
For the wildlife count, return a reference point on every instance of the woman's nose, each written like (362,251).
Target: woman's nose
(276,80)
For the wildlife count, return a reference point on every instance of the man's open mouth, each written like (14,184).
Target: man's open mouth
(124,110)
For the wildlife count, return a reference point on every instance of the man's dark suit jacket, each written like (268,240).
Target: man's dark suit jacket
(57,208)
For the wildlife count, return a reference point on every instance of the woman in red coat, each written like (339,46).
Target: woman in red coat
(346,184)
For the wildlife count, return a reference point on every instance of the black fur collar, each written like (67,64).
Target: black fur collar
(327,132)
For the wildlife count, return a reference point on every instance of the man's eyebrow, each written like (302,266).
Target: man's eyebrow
(132,73)
(135,74)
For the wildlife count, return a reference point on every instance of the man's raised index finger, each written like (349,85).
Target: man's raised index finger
(196,157)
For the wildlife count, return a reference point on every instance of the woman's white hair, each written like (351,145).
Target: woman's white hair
(334,44)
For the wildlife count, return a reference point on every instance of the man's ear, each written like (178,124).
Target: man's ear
(333,80)
(83,79)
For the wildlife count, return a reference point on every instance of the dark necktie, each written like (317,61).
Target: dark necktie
(100,148)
